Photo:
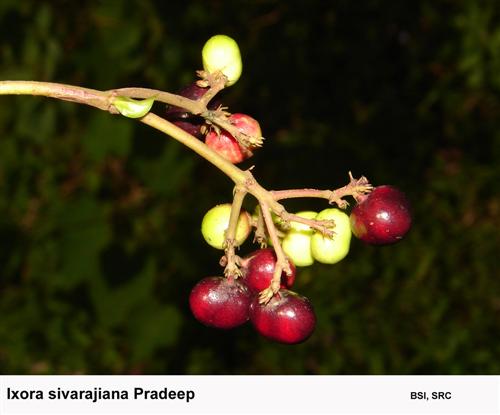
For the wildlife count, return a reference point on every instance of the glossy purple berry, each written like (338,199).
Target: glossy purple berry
(287,318)
(258,270)
(220,302)
(383,217)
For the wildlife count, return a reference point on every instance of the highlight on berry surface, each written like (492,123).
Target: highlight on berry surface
(133,108)
(222,53)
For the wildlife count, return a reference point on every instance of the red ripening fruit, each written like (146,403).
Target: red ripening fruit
(258,269)
(383,217)
(246,124)
(287,318)
(220,302)
(227,146)
(185,120)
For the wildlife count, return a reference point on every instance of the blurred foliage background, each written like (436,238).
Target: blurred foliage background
(100,216)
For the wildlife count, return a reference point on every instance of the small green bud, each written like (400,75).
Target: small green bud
(133,108)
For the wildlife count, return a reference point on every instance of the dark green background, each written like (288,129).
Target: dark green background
(100,215)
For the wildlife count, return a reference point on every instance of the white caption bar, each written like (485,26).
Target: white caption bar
(250,395)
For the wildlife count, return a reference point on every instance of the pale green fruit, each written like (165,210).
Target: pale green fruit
(332,250)
(216,221)
(297,246)
(297,242)
(221,53)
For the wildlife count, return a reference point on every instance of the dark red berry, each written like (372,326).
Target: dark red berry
(287,318)
(185,120)
(258,270)
(220,302)
(383,217)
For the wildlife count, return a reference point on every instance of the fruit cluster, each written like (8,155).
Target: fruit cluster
(304,245)
(226,303)
(382,217)
(221,141)
(257,288)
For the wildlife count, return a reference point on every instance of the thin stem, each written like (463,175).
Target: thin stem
(103,99)
(216,81)
(244,180)
(320,225)
(195,107)
(232,267)
(355,188)
(281,261)
(297,193)
(260,230)
(71,93)
(236,174)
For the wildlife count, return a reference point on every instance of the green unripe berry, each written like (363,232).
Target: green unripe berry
(216,221)
(332,250)
(297,246)
(297,242)
(221,53)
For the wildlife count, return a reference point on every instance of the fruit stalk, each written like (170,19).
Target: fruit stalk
(103,101)
(260,235)
(320,225)
(232,266)
(281,261)
(216,81)
(87,96)
(237,175)
(356,188)
(193,106)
